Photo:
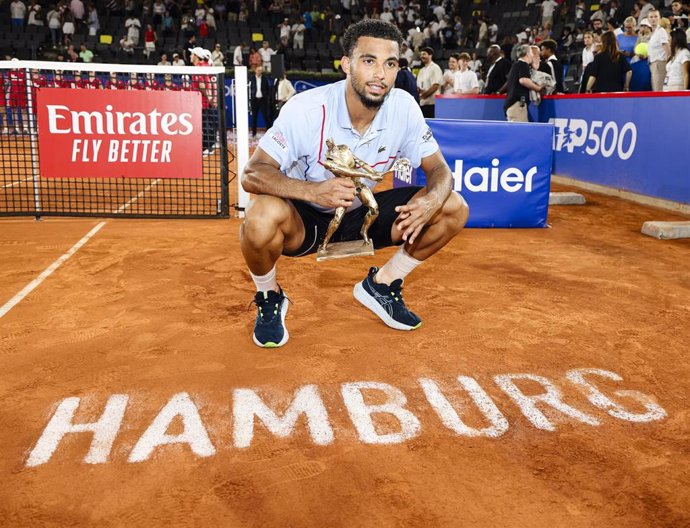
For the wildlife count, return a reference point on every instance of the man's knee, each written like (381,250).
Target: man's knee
(455,212)
(263,219)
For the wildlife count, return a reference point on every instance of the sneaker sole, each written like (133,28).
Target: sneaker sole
(286,335)
(365,299)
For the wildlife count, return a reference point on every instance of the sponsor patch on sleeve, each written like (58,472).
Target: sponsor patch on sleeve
(280,140)
(427,135)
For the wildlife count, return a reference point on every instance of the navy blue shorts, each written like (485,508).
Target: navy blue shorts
(316,222)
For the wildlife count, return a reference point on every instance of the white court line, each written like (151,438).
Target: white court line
(125,206)
(47,272)
(17,182)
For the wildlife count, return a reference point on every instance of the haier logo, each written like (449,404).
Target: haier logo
(490,179)
(599,137)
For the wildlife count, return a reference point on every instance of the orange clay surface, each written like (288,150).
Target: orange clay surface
(155,308)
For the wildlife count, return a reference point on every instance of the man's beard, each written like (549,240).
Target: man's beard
(371,104)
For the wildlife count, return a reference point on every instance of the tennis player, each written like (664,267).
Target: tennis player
(295,196)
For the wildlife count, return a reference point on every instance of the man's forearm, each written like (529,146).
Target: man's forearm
(262,178)
(439,182)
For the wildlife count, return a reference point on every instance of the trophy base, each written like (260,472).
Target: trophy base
(338,250)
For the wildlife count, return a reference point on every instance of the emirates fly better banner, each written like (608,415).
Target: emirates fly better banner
(110,133)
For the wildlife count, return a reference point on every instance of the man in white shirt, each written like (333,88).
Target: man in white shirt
(237,58)
(659,51)
(547,9)
(284,28)
(429,80)
(17,13)
(387,16)
(295,194)
(645,8)
(266,52)
(76,7)
(406,52)
(466,81)
(133,26)
(298,30)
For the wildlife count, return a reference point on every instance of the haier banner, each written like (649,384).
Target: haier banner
(503,170)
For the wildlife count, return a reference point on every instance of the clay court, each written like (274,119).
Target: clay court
(152,309)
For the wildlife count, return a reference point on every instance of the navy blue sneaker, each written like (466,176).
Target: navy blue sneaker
(386,301)
(269,327)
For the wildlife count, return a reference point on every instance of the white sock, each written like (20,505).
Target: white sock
(399,266)
(266,282)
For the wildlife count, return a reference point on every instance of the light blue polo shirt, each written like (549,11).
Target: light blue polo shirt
(297,139)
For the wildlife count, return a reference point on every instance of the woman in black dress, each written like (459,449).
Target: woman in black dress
(610,71)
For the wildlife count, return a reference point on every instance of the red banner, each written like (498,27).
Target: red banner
(111,133)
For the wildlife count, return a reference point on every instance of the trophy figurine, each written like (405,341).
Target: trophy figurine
(341,161)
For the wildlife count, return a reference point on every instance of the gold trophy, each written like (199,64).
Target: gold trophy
(341,161)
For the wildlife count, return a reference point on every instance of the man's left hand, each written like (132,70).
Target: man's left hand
(413,216)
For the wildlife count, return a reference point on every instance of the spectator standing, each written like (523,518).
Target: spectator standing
(68,28)
(284,28)
(610,71)
(588,50)
(18,13)
(284,92)
(150,40)
(85,54)
(254,59)
(133,27)
(76,7)
(158,13)
(298,30)
(497,74)
(429,80)
(217,56)
(466,81)
(405,79)
(659,51)
(448,84)
(237,58)
(519,86)
(547,9)
(92,20)
(406,52)
(34,14)
(627,39)
(168,24)
(548,53)
(258,97)
(266,52)
(645,8)
(54,20)
(678,67)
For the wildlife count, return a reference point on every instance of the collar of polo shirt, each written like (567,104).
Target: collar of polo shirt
(343,116)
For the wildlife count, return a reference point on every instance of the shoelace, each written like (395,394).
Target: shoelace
(260,304)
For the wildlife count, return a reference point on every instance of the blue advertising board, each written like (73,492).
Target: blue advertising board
(505,181)
(639,144)
(636,142)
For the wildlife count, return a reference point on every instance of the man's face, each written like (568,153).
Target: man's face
(596,24)
(463,64)
(425,57)
(372,68)
(452,63)
(653,18)
(676,7)
(545,53)
(259,70)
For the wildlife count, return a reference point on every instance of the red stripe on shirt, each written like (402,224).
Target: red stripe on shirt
(323,125)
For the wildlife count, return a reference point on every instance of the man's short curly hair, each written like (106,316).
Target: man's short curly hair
(370,27)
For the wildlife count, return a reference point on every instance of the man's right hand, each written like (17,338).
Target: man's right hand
(336,192)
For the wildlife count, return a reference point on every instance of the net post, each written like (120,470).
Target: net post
(242,125)
(33,141)
(223,138)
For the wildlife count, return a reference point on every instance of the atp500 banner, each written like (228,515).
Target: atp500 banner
(110,133)
(502,170)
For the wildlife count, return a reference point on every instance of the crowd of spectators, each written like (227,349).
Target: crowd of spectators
(465,39)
